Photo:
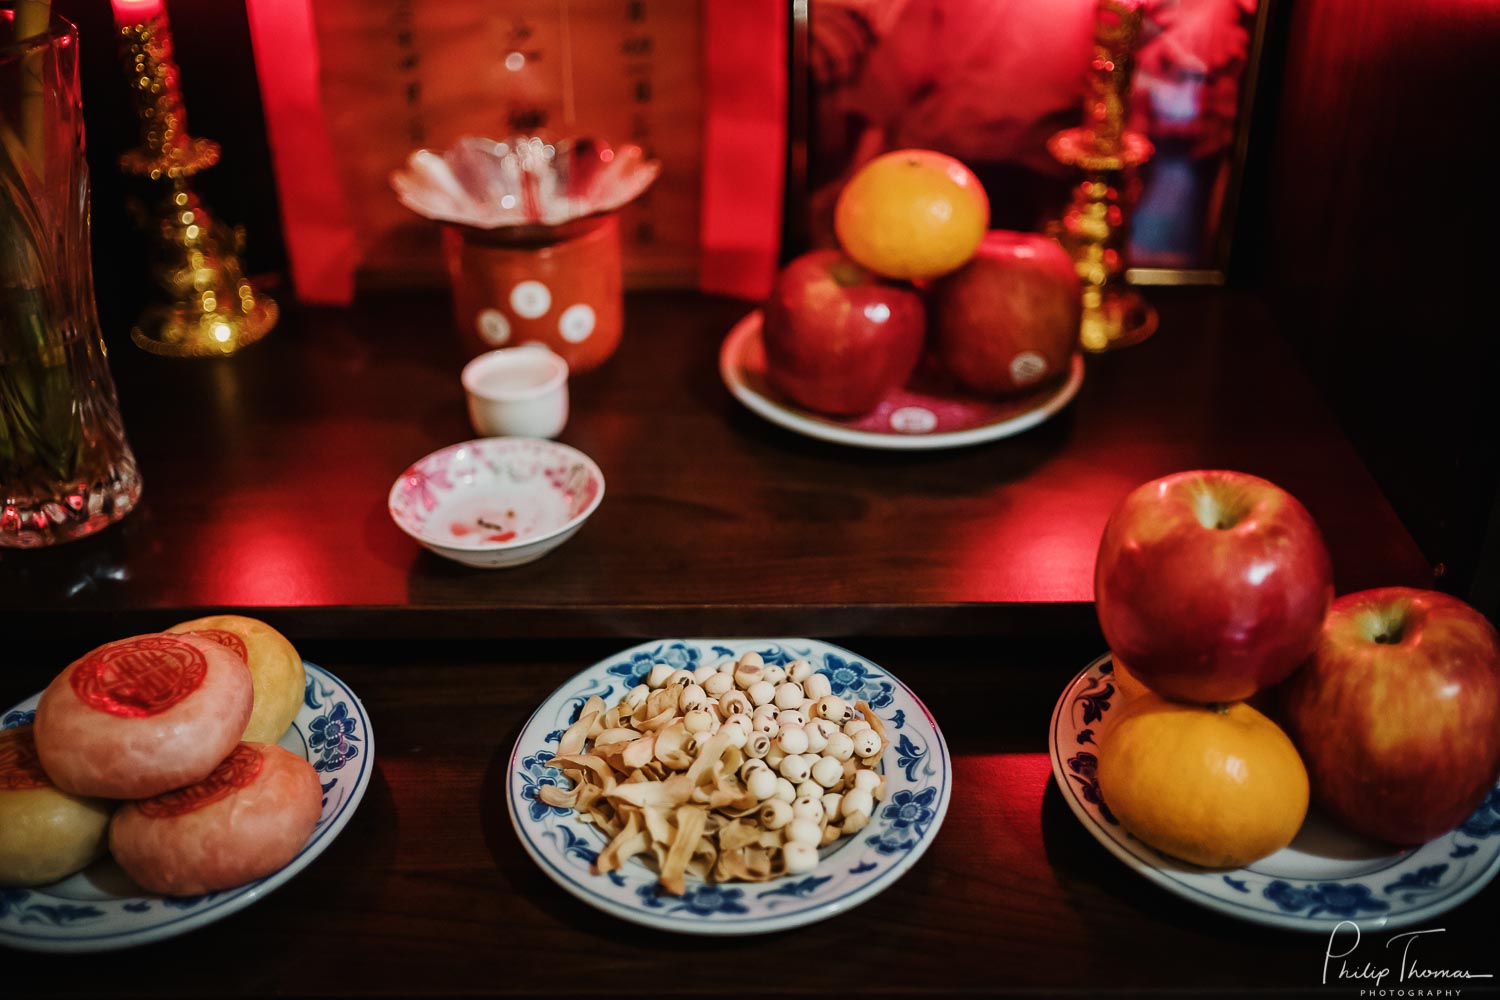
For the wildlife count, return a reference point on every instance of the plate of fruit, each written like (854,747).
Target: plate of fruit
(1263,749)
(924,330)
(165,781)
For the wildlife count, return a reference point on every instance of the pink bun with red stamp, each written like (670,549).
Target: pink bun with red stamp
(141,716)
(247,819)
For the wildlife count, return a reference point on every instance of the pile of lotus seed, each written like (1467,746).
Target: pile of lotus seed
(736,771)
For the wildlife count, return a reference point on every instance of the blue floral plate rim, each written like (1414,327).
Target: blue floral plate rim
(1325,877)
(100,910)
(919,783)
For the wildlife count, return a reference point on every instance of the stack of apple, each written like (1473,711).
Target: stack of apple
(844,328)
(1214,587)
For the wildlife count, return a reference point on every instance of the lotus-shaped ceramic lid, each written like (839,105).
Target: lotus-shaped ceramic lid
(522,181)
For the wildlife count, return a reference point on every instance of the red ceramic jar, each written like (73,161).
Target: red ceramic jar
(556,285)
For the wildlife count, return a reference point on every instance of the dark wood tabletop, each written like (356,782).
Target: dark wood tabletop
(965,573)
(266,478)
(427,891)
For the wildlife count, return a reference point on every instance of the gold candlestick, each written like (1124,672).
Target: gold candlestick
(206,307)
(1093,226)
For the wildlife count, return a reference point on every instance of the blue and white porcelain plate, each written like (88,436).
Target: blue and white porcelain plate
(919,781)
(1326,875)
(101,909)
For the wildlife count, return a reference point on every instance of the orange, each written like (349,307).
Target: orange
(1219,786)
(912,214)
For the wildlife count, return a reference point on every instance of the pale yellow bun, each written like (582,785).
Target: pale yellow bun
(45,834)
(275,667)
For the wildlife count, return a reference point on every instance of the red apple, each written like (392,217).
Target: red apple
(1397,713)
(1009,318)
(838,337)
(1211,585)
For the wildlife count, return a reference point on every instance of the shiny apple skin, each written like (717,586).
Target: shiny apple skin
(1401,739)
(1019,298)
(839,338)
(1209,614)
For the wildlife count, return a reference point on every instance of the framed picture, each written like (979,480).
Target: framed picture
(989,81)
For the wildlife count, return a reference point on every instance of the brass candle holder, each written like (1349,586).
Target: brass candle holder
(207,307)
(1093,227)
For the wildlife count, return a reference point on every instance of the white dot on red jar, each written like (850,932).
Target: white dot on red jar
(494,328)
(576,323)
(530,299)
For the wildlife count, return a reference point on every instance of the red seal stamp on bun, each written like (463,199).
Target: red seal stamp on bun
(225,638)
(20,768)
(142,716)
(139,677)
(237,771)
(247,819)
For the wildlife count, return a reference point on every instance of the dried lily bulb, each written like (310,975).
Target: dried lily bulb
(792,741)
(788,695)
(803,831)
(867,744)
(799,858)
(794,769)
(808,808)
(775,814)
(834,709)
(717,773)
(761,784)
(857,801)
(828,771)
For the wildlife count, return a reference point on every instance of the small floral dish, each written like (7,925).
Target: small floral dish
(1326,876)
(101,909)
(927,414)
(919,781)
(497,502)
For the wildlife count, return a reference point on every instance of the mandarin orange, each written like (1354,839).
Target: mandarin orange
(912,214)
(1219,786)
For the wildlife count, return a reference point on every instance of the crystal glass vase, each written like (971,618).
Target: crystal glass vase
(66,470)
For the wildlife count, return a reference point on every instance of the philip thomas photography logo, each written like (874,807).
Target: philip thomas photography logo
(1399,969)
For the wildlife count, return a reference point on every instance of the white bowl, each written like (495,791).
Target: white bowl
(497,502)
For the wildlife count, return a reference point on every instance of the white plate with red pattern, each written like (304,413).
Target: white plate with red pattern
(927,414)
(101,909)
(497,502)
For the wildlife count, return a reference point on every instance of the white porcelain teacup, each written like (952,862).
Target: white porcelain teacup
(518,392)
